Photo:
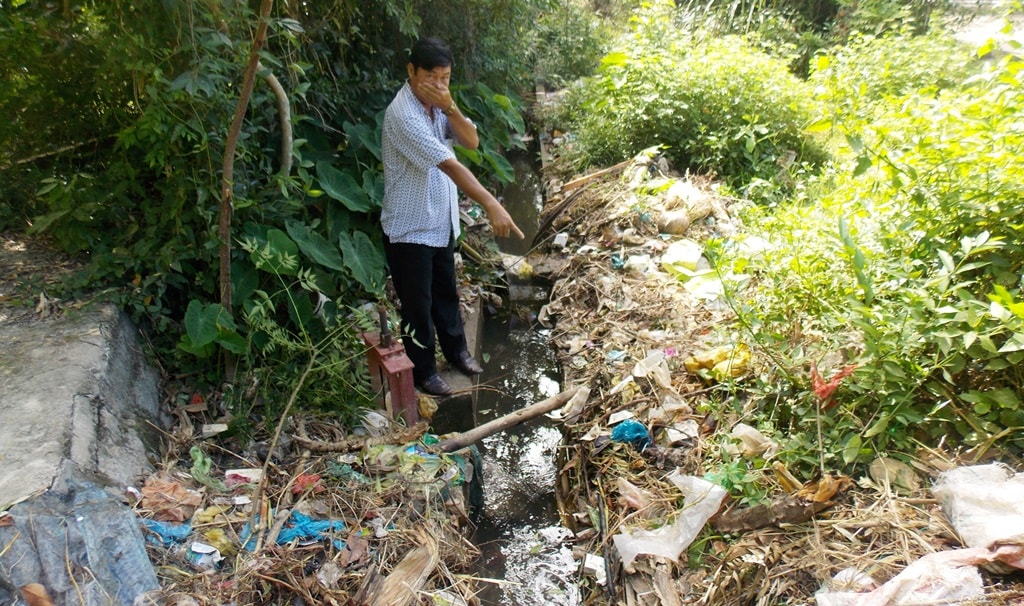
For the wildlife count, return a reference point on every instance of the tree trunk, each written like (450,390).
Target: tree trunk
(227,182)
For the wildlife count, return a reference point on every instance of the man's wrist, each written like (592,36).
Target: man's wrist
(451,109)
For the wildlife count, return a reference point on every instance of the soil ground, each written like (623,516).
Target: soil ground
(31,271)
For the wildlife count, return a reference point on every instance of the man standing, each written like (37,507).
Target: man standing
(420,212)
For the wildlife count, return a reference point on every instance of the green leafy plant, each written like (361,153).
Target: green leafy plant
(570,40)
(503,115)
(872,71)
(716,106)
(878,16)
(146,105)
(742,478)
(902,258)
(207,326)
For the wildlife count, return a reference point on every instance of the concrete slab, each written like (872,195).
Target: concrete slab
(75,389)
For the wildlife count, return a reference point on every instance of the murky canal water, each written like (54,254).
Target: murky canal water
(525,549)
(519,535)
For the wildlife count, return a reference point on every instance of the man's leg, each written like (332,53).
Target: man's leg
(445,312)
(411,267)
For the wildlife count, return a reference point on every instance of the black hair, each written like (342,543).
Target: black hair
(429,53)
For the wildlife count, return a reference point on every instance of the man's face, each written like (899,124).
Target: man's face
(437,78)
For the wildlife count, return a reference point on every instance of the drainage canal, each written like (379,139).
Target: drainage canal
(525,549)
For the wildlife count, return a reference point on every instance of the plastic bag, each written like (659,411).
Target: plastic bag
(633,432)
(983,502)
(944,577)
(701,500)
(75,526)
(752,443)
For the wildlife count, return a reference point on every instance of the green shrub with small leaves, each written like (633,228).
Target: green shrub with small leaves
(715,106)
(875,71)
(878,16)
(904,259)
(570,41)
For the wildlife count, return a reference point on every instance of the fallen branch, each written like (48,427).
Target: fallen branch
(53,152)
(510,420)
(581,181)
(786,509)
(261,492)
(361,442)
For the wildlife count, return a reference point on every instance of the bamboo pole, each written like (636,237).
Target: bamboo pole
(581,181)
(510,420)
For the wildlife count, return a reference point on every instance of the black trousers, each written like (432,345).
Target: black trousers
(424,279)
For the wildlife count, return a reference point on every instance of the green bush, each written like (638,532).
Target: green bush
(879,16)
(716,106)
(569,41)
(870,71)
(791,30)
(490,39)
(131,168)
(904,258)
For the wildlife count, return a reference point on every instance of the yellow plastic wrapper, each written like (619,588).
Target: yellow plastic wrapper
(210,514)
(216,537)
(721,363)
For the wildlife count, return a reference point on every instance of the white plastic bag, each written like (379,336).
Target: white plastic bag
(984,504)
(943,577)
(701,500)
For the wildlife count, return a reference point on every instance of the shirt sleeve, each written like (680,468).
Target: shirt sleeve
(415,141)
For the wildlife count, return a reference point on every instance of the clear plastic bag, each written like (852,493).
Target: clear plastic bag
(701,500)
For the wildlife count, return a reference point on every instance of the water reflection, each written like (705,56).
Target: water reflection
(524,547)
(539,567)
(519,534)
(524,201)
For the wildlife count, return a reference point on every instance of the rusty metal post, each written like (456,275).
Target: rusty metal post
(391,372)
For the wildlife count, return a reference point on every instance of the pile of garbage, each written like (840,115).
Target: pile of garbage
(378,517)
(632,313)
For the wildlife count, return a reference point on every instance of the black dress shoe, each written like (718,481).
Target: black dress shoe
(467,364)
(435,386)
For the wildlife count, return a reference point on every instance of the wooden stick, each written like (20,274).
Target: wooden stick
(510,420)
(548,220)
(588,178)
(54,152)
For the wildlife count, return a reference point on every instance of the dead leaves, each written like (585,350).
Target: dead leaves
(356,553)
(795,508)
(825,489)
(36,595)
(168,500)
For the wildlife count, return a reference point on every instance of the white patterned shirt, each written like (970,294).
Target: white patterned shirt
(420,202)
